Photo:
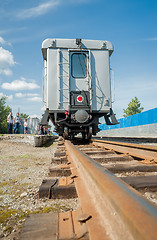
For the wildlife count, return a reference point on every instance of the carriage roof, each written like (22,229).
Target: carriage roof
(74,44)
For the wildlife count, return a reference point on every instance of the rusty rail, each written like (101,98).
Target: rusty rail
(117,211)
(140,151)
(131,145)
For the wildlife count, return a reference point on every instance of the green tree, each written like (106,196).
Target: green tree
(4,112)
(134,107)
(23,115)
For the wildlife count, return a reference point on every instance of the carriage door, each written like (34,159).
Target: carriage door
(79,71)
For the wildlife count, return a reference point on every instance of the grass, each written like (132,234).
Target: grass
(5,183)
(10,217)
(17,157)
(14,188)
(6,214)
(21,156)
(13,216)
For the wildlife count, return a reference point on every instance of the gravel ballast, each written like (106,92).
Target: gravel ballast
(22,169)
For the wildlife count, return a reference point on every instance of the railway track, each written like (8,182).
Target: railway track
(105,176)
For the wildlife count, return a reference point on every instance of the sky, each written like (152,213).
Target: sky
(130,25)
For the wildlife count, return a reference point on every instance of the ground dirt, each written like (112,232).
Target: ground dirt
(22,169)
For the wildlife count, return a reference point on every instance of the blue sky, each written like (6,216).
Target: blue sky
(131,26)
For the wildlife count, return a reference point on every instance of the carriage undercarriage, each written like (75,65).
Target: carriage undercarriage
(82,122)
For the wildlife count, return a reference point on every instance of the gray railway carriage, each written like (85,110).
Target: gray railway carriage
(77,85)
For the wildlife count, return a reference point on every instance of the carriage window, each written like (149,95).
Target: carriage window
(79,63)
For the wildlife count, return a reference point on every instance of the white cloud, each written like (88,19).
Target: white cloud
(9,98)
(79,1)
(6,61)
(6,57)
(2,41)
(21,84)
(21,95)
(35,116)
(35,99)
(39,10)
(42,109)
(44,8)
(12,30)
(151,39)
(6,71)
(1,95)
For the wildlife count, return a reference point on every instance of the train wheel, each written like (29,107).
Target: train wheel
(89,134)
(72,136)
(83,135)
(65,134)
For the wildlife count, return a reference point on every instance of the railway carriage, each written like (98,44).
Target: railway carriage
(77,85)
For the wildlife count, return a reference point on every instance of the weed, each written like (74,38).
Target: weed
(6,213)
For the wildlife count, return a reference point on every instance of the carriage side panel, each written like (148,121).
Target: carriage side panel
(100,77)
(52,80)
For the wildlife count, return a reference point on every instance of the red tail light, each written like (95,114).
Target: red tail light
(79,98)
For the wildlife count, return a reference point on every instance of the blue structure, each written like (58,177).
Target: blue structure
(144,118)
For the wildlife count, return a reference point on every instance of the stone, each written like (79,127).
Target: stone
(24,194)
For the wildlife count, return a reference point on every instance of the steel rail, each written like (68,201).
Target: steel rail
(135,150)
(133,145)
(117,211)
